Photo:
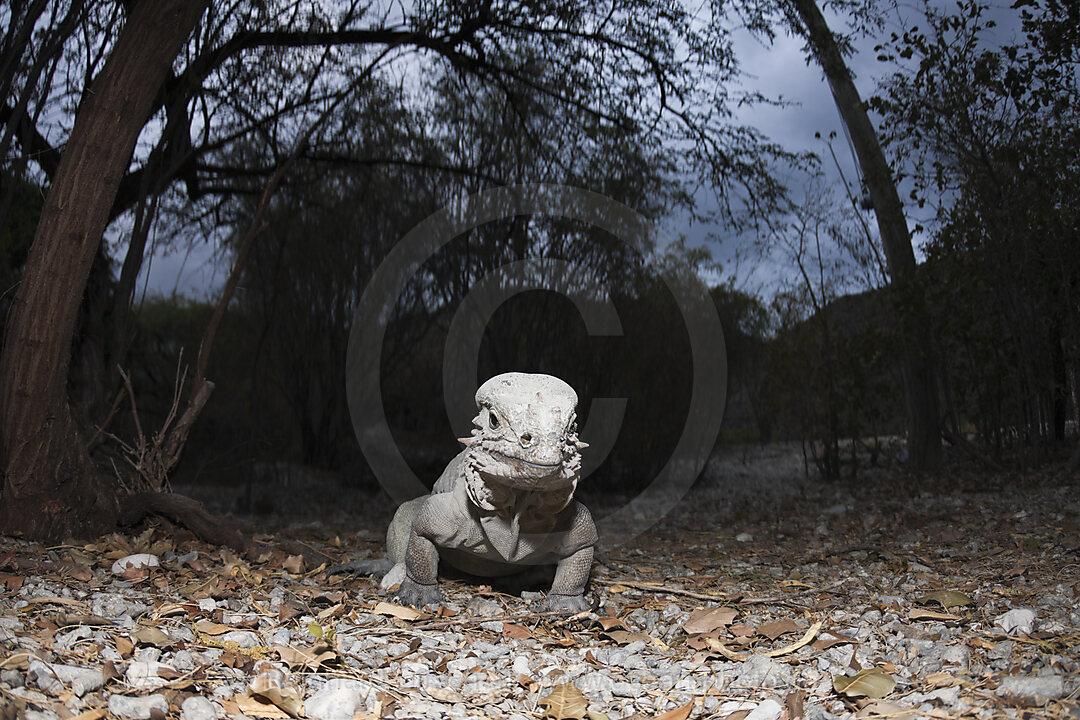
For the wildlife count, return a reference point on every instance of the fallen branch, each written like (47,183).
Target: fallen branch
(187,512)
(734,600)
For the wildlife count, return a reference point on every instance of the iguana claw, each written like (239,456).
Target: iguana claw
(377,566)
(417,595)
(562,603)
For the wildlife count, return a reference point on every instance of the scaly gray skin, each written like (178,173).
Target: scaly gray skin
(504,502)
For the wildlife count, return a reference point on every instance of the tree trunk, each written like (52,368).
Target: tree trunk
(51,489)
(920,384)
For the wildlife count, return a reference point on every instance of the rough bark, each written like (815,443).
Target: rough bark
(920,381)
(50,487)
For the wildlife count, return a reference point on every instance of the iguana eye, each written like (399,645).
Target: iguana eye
(493,420)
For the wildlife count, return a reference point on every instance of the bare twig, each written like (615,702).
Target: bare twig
(720,598)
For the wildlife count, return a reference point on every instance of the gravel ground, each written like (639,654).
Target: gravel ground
(764,595)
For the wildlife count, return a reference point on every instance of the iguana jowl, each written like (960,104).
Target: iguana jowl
(504,502)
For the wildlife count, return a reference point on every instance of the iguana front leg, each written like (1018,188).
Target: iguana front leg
(421,584)
(567,592)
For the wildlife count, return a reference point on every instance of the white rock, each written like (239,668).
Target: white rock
(198,708)
(54,679)
(521,665)
(1041,688)
(1019,619)
(139,560)
(744,537)
(144,673)
(760,671)
(340,698)
(394,577)
(768,710)
(482,607)
(594,682)
(137,708)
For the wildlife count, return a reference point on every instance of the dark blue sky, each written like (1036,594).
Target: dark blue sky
(778,70)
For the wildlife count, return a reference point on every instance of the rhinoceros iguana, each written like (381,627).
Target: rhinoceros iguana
(505,502)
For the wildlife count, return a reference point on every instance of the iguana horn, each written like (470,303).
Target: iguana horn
(466,441)
(581,445)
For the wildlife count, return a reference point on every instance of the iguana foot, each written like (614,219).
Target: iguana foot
(417,595)
(378,566)
(562,603)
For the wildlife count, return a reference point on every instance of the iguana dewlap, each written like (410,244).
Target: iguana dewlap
(506,501)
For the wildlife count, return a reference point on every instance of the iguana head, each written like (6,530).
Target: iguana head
(525,437)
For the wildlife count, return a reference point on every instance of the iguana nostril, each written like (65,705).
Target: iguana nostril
(526,438)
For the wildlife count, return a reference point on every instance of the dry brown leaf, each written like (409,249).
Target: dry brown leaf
(311,657)
(608,622)
(152,636)
(741,631)
(794,703)
(940,680)
(11,582)
(17,661)
(737,715)
(565,702)
(294,564)
(109,671)
(330,613)
(92,714)
(872,682)
(447,695)
(528,683)
(836,639)
(258,706)
(709,619)
(679,713)
(212,628)
(170,609)
(290,609)
(272,685)
(809,635)
(719,647)
(399,611)
(775,629)
(700,642)
(518,632)
(945,598)
(625,637)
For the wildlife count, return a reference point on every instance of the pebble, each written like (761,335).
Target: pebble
(482,607)
(54,679)
(466,671)
(1018,621)
(197,708)
(137,561)
(1039,687)
(767,710)
(138,708)
(340,698)
(760,671)
(144,673)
